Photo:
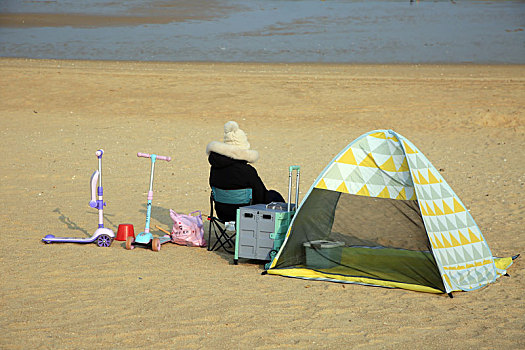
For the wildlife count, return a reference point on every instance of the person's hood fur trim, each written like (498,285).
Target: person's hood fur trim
(231,151)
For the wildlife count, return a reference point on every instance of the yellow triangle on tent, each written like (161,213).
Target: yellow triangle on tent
(422,180)
(487,261)
(429,211)
(437,243)
(388,165)
(414,197)
(321,184)
(415,177)
(423,211)
(437,210)
(369,161)
(402,194)
(463,239)
(447,280)
(363,192)
(431,178)
(472,236)
(458,207)
(379,135)
(408,149)
(348,158)
(484,262)
(342,188)
(446,209)
(446,243)
(404,165)
(393,138)
(453,240)
(384,193)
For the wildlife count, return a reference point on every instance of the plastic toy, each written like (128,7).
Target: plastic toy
(146,238)
(103,236)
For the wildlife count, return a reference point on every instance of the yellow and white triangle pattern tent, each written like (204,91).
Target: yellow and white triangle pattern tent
(384,164)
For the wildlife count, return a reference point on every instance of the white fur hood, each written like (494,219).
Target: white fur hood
(232,151)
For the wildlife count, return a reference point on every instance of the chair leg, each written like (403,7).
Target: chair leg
(224,240)
(211,219)
(209,232)
(214,228)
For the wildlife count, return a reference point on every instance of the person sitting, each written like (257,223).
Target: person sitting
(230,170)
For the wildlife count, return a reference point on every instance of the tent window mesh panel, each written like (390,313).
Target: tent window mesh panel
(384,239)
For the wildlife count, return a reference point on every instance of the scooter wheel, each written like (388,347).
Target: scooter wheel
(155,244)
(104,241)
(129,243)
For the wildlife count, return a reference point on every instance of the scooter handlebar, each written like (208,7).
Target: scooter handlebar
(146,155)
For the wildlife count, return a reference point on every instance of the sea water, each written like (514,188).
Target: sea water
(330,31)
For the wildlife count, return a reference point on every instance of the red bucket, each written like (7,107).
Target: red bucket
(125,231)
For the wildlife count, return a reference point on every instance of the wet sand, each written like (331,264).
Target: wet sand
(467,119)
(95,16)
(274,31)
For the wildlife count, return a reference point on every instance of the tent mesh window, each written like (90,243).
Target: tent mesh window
(381,239)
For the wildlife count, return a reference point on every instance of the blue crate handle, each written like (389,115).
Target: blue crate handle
(292,168)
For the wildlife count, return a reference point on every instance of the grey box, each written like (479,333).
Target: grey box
(259,228)
(323,254)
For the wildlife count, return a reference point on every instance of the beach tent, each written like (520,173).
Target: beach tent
(380,214)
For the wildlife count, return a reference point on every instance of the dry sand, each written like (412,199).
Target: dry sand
(468,120)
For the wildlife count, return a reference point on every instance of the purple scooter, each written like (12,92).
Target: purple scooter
(103,236)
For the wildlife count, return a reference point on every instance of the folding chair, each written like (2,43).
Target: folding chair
(235,199)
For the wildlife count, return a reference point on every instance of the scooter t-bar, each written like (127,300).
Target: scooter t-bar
(146,155)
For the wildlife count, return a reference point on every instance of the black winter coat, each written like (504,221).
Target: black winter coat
(231,174)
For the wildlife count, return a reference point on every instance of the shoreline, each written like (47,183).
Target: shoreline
(446,64)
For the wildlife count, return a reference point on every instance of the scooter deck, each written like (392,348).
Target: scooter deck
(48,239)
(164,239)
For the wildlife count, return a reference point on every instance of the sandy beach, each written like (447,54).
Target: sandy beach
(469,120)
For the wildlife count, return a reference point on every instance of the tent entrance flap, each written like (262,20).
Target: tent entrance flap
(384,239)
